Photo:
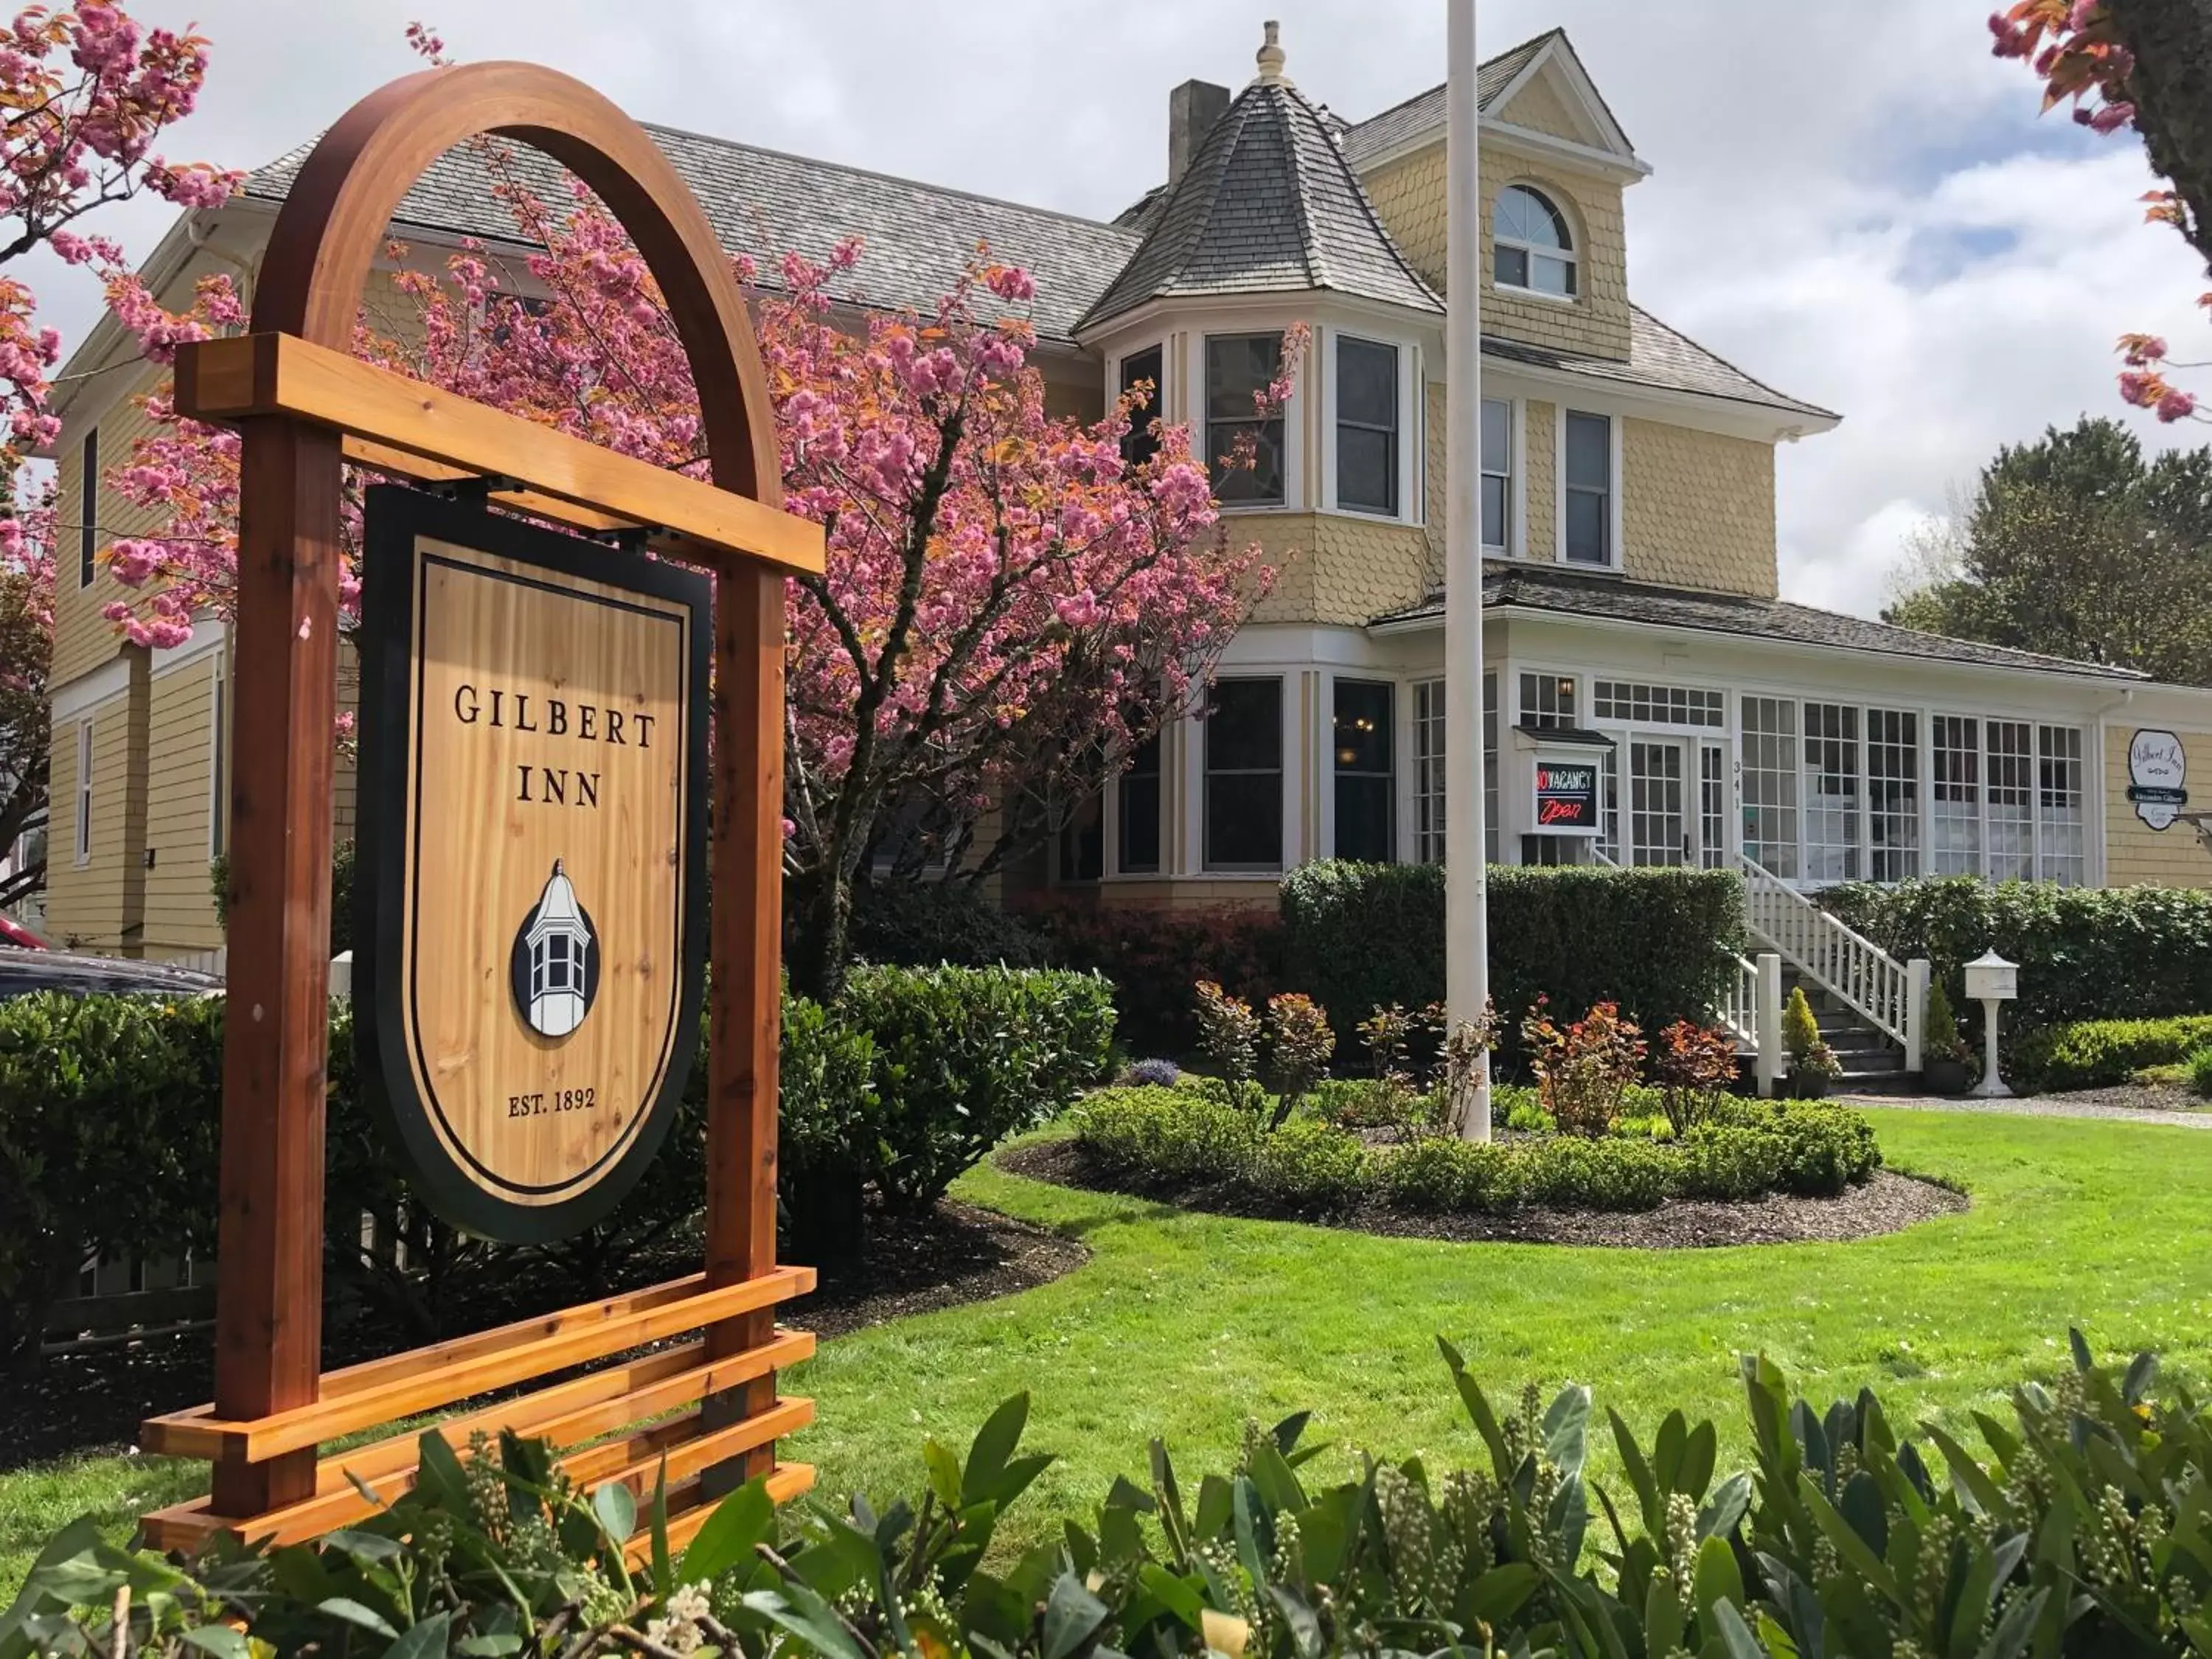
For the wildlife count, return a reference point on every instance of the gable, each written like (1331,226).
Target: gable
(1544,104)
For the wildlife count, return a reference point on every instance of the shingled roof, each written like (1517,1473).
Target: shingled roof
(1269,205)
(915,237)
(1579,593)
(1425,110)
(1660,358)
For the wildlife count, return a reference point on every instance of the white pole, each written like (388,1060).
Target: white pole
(1467,946)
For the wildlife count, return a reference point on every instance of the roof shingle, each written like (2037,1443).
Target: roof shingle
(1578,593)
(1661,358)
(1269,205)
(916,237)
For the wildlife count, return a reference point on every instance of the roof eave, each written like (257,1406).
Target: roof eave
(1777,422)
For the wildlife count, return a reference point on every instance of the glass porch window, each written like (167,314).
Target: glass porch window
(1955,821)
(1770,783)
(1244,776)
(2011,797)
(1366,778)
(1894,794)
(2061,836)
(1831,792)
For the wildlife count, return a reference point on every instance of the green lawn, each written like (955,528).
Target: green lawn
(1184,1324)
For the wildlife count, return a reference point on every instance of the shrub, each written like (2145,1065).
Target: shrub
(827,1144)
(1826,1148)
(1582,1069)
(1358,937)
(1693,1067)
(1731,1161)
(1154,956)
(1310,1166)
(2084,953)
(1800,1031)
(1443,1175)
(2102,1054)
(1154,1073)
(1168,1135)
(1942,1040)
(2200,1073)
(965,1057)
(930,924)
(2075,1533)
(1570,1173)
(1299,1043)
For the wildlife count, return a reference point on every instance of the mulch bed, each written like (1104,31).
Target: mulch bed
(1886,1204)
(91,1402)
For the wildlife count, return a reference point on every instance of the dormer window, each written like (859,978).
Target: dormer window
(1532,247)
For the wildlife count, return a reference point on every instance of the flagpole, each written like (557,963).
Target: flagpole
(1467,946)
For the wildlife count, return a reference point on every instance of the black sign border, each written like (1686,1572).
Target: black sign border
(395,517)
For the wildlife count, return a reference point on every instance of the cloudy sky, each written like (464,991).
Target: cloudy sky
(1856,204)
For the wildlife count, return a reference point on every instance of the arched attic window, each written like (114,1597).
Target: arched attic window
(1532,245)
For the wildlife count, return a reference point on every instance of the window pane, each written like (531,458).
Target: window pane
(1244,822)
(2062,841)
(1497,435)
(1367,383)
(1260,483)
(1770,783)
(1512,267)
(1429,769)
(1494,513)
(1140,444)
(1551,276)
(1523,214)
(1366,469)
(1955,817)
(2009,787)
(1586,527)
(1140,810)
(1244,726)
(1366,783)
(1831,792)
(1589,452)
(1238,367)
(1362,726)
(1894,794)
(1083,841)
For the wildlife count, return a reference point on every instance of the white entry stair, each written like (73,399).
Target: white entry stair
(1871,1008)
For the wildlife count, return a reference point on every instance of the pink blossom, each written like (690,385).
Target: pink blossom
(2176,406)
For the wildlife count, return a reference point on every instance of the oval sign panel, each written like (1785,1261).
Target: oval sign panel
(529,922)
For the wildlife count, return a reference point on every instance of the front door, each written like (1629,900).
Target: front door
(1658,823)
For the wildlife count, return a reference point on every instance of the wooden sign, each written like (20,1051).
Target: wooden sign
(530,913)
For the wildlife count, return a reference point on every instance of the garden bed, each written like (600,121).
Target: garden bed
(1886,1203)
(95,1401)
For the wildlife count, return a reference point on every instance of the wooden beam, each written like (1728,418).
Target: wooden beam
(249,375)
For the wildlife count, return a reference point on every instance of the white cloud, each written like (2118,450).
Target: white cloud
(1856,205)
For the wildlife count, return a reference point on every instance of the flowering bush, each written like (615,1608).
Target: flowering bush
(1582,1069)
(1228,1035)
(1693,1066)
(1299,1043)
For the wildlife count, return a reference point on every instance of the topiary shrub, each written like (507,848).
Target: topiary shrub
(1359,937)
(1310,1166)
(930,924)
(2103,1053)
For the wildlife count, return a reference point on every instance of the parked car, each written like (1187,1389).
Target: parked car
(23,971)
(13,933)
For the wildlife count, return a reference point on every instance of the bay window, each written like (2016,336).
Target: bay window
(1239,369)
(1366,781)
(1243,827)
(1366,426)
(1141,370)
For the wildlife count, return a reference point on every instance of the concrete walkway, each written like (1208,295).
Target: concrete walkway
(2089,1103)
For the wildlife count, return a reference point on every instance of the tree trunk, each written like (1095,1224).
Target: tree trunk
(816,956)
(2172,86)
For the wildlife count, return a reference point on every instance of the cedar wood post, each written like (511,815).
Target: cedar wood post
(269,1297)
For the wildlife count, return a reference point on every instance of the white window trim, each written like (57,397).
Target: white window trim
(83,835)
(1614,516)
(1325,760)
(1517,457)
(1572,253)
(1409,434)
(1294,417)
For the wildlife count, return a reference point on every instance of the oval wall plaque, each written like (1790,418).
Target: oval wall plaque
(530,902)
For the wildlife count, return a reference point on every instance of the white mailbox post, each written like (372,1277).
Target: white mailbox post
(1991,979)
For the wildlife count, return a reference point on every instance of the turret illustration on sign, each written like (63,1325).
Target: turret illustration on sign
(2158,768)
(555,969)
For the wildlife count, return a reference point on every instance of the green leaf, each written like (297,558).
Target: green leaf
(1566,1428)
(1667,1451)
(1967,1471)
(1698,1451)
(1305,1629)
(944,1471)
(1649,1498)
(743,1520)
(364,1547)
(1072,1617)
(615,1507)
(489,1647)
(1285,1433)
(1663,1616)
(438,1481)
(2011,1637)
(993,1444)
(1736,1638)
(1179,1595)
(1725,1508)
(1498,1594)
(352,1612)
(805,1615)
(2074,1340)
(220,1640)
(427,1640)
(1715,1578)
(1277,1484)
(2143,1371)
(664,1582)
(1846,1537)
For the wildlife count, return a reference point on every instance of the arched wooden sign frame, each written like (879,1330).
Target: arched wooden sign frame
(303,408)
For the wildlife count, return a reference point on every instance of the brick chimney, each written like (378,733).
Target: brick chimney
(1193,108)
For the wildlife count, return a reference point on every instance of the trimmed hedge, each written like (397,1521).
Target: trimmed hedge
(1181,1139)
(109,1108)
(1154,957)
(2084,953)
(1358,937)
(2101,1053)
(926,924)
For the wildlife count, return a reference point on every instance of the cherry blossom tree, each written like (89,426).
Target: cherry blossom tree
(2144,66)
(1013,600)
(27,633)
(85,94)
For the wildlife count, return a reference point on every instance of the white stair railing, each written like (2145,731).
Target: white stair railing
(1751,1012)
(1738,1012)
(1888,995)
